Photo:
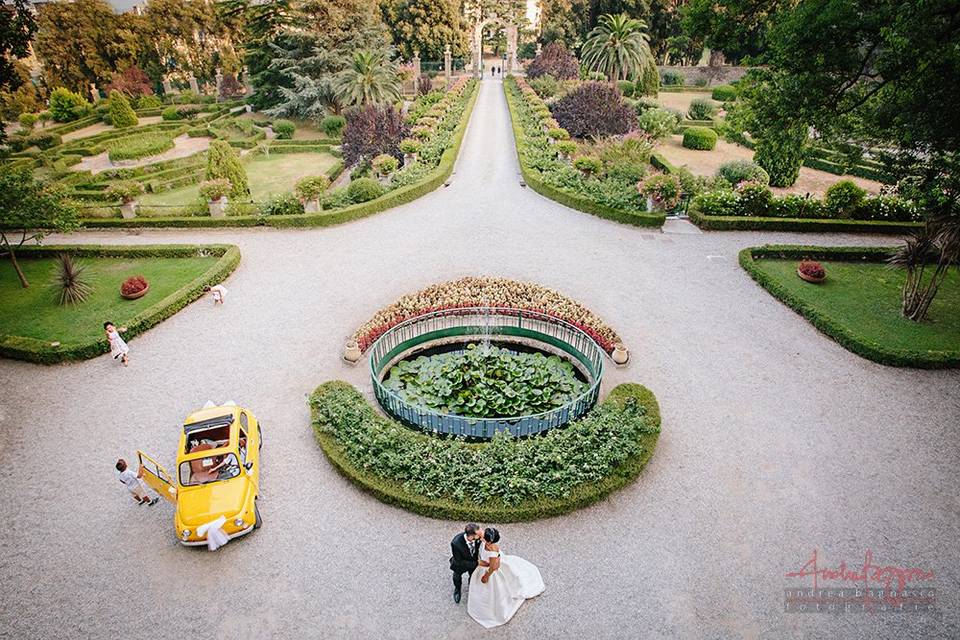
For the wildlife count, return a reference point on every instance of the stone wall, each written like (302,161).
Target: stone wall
(692,73)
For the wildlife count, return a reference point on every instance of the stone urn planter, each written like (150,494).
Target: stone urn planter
(128,208)
(351,351)
(218,207)
(810,271)
(620,353)
(311,206)
(813,279)
(409,159)
(138,294)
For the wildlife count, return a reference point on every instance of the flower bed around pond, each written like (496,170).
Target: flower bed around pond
(505,480)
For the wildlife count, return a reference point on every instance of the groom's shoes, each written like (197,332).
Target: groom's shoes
(456,597)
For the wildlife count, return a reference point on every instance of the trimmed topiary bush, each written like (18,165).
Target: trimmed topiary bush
(121,113)
(737,171)
(170,113)
(843,198)
(27,121)
(223,162)
(149,101)
(724,93)
(139,146)
(701,109)
(284,129)
(556,61)
(648,84)
(65,105)
(700,138)
(594,109)
(364,190)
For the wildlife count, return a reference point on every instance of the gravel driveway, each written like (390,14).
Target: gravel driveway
(776,442)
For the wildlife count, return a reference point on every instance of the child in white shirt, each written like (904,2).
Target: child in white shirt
(132,482)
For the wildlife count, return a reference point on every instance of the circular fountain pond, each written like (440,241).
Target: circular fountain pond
(477,371)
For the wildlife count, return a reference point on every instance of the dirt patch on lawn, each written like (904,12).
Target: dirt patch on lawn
(706,163)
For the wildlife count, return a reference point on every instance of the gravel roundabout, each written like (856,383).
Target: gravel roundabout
(775,442)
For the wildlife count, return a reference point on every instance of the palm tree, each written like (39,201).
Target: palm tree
(370,78)
(618,47)
(937,247)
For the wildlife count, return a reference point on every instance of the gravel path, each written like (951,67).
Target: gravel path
(776,442)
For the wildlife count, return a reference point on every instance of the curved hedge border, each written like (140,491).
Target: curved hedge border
(839,332)
(33,350)
(575,201)
(392,199)
(746,223)
(393,492)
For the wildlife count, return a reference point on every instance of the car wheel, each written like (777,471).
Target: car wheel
(259,437)
(259,520)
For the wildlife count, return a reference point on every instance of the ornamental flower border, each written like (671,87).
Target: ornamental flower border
(486,291)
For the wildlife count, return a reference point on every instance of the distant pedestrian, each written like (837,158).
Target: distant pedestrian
(118,348)
(218,291)
(493,71)
(133,484)
(500,71)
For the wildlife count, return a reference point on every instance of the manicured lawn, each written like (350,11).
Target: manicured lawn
(33,313)
(268,176)
(864,299)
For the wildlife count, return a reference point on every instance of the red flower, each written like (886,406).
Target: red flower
(812,269)
(132,285)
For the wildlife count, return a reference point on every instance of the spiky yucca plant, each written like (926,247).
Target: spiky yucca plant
(71,284)
(936,246)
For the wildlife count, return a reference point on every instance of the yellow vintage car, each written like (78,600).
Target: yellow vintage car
(218,475)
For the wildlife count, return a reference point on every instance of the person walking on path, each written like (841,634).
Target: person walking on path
(218,291)
(118,348)
(132,482)
(464,547)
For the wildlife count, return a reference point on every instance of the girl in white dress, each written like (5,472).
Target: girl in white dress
(118,348)
(500,584)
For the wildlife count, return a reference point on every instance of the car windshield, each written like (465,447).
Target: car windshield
(210,469)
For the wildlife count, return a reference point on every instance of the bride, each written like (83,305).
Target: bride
(500,584)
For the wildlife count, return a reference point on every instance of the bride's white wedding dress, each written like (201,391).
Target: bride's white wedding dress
(494,603)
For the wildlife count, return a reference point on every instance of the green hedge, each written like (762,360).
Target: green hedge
(33,350)
(576,201)
(391,199)
(355,407)
(746,223)
(838,331)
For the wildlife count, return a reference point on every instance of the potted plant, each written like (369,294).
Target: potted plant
(216,191)
(811,271)
(384,164)
(565,149)
(662,191)
(557,134)
(127,192)
(588,165)
(409,147)
(310,190)
(134,287)
(620,353)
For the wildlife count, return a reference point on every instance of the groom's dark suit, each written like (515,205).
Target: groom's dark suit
(464,558)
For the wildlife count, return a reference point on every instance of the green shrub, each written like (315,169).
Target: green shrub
(215,189)
(505,480)
(65,105)
(27,120)
(223,162)
(139,146)
(700,138)
(642,105)
(384,164)
(558,133)
(780,152)
(364,190)
(673,79)
(626,88)
(284,129)
(44,140)
(410,145)
(588,165)
(700,82)
(285,204)
(311,187)
(754,199)
(170,113)
(125,190)
(657,122)
(663,189)
(546,86)
(566,147)
(149,101)
(648,84)
(885,207)
(737,171)
(724,93)
(844,198)
(701,109)
(333,125)
(121,113)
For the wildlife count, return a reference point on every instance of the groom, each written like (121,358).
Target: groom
(465,547)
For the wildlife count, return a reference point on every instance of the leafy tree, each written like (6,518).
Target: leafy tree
(554,60)
(370,78)
(121,113)
(65,105)
(738,28)
(28,210)
(223,162)
(425,26)
(371,131)
(618,47)
(77,43)
(263,25)
(24,99)
(16,31)
(188,36)
(132,81)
